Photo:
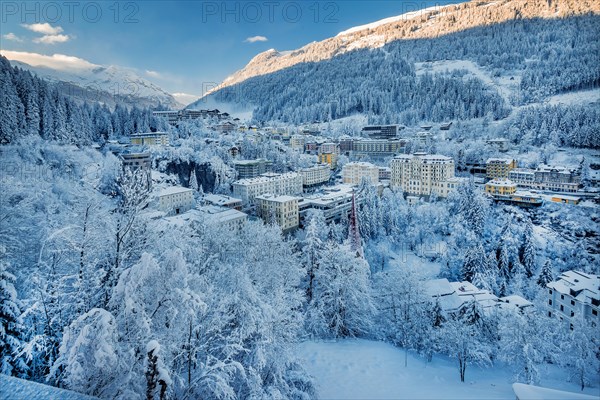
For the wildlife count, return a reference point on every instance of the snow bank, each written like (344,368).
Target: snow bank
(18,389)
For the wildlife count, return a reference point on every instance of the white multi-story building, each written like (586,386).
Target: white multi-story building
(546,177)
(176,199)
(329,148)
(423,174)
(150,139)
(277,184)
(229,218)
(353,173)
(575,295)
(297,142)
(282,210)
(315,175)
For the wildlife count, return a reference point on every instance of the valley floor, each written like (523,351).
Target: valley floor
(363,369)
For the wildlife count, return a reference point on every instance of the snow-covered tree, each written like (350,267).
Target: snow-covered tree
(341,304)
(89,360)
(11,325)
(546,274)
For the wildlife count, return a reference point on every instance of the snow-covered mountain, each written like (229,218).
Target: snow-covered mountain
(105,84)
(459,62)
(426,23)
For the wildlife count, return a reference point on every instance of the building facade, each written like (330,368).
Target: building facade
(423,174)
(328,158)
(251,168)
(545,177)
(499,168)
(381,131)
(297,142)
(353,173)
(282,210)
(138,162)
(575,295)
(315,175)
(229,218)
(276,184)
(377,148)
(502,187)
(176,199)
(150,139)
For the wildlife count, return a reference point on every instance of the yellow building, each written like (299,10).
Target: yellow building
(566,199)
(502,187)
(282,210)
(499,168)
(328,158)
(150,139)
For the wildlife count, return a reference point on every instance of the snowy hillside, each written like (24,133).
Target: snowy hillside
(12,388)
(403,70)
(426,23)
(363,369)
(105,84)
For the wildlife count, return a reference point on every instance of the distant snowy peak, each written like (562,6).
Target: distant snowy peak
(376,24)
(104,84)
(425,23)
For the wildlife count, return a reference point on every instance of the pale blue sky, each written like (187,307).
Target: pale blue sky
(181,45)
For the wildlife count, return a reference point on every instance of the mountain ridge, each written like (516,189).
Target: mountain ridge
(104,84)
(426,23)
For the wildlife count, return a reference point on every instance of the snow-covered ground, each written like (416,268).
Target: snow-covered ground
(579,97)
(18,389)
(363,369)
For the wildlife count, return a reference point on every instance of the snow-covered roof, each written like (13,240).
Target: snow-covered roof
(579,285)
(265,178)
(499,160)
(173,190)
(515,300)
(219,214)
(220,199)
(530,392)
(277,199)
(466,291)
(566,197)
(501,182)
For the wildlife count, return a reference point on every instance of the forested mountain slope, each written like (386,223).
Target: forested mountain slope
(526,60)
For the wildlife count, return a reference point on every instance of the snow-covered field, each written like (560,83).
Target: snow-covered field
(363,369)
(12,388)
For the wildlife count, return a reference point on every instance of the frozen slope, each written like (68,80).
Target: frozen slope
(363,369)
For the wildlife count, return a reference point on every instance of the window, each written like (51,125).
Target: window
(572,302)
(550,302)
(562,296)
(549,314)
(594,312)
(550,291)
(562,308)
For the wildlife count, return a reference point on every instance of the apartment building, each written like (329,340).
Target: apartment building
(328,158)
(297,142)
(381,131)
(282,210)
(138,161)
(377,148)
(501,187)
(546,177)
(276,184)
(353,173)
(423,174)
(329,147)
(176,199)
(221,200)
(150,139)
(575,295)
(226,217)
(315,175)
(334,202)
(251,168)
(499,168)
